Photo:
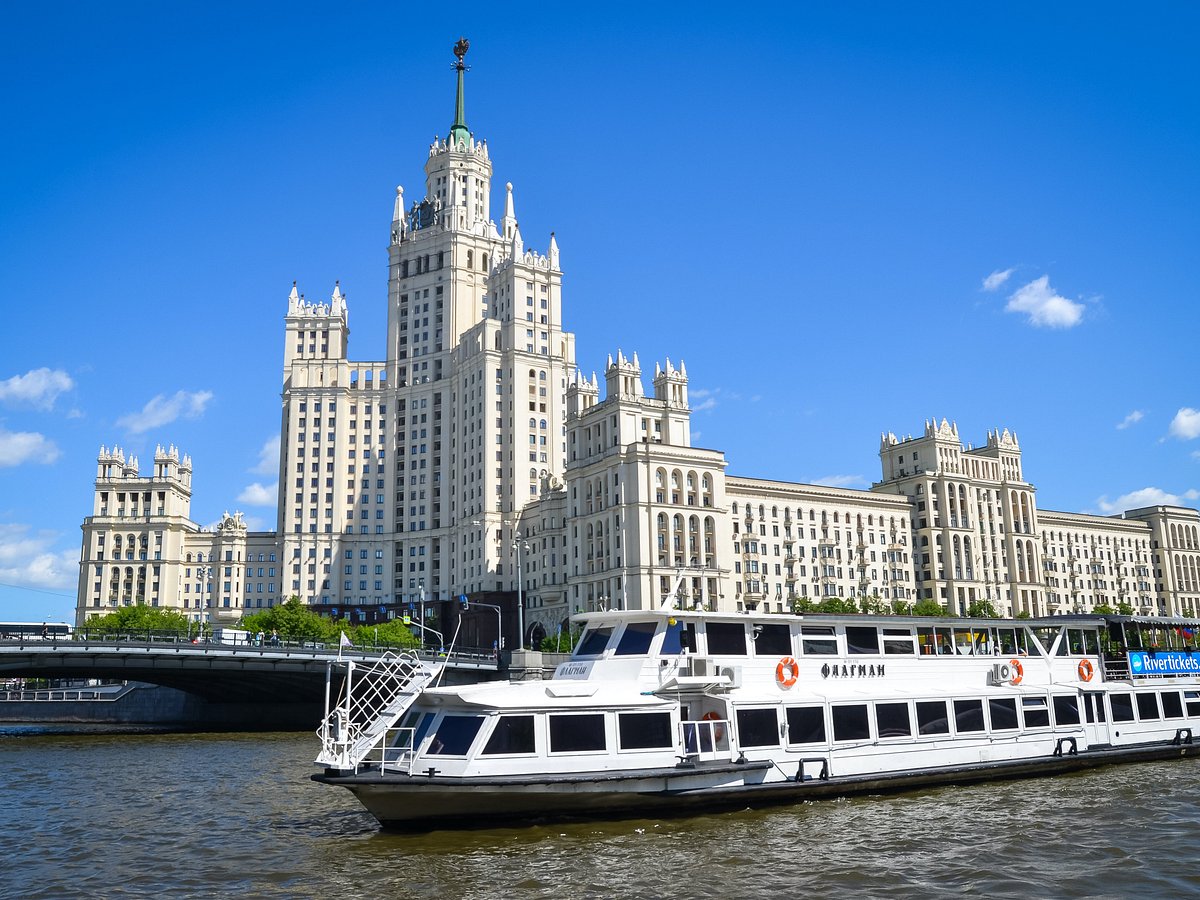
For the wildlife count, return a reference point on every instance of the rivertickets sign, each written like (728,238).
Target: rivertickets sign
(1163,662)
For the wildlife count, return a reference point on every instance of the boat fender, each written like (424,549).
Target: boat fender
(787,672)
(1018,671)
(718,730)
(1085,670)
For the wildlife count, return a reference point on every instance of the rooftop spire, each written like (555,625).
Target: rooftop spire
(458,131)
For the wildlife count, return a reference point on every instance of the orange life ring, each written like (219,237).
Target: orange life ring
(718,730)
(1085,670)
(1018,671)
(787,672)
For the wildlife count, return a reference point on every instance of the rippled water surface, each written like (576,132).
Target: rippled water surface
(222,815)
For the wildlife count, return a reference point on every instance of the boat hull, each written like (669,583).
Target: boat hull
(404,802)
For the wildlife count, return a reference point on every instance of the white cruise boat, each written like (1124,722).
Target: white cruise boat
(666,711)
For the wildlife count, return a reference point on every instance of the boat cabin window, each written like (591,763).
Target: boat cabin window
(1122,707)
(645,731)
(454,735)
(635,640)
(970,642)
(679,636)
(968,716)
(1147,707)
(805,725)
(891,720)
(577,733)
(1035,711)
(860,639)
(772,640)
(726,638)
(512,734)
(944,641)
(818,640)
(1093,705)
(850,723)
(1191,700)
(418,721)
(1046,636)
(931,717)
(1066,709)
(898,642)
(758,727)
(1011,641)
(1003,712)
(1172,708)
(594,641)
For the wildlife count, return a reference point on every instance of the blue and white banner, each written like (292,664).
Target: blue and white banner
(1163,662)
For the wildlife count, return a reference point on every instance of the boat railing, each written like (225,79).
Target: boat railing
(1116,668)
(395,753)
(704,739)
(372,700)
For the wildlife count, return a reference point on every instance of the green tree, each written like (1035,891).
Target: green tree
(983,609)
(1023,614)
(294,621)
(928,607)
(1103,609)
(1125,609)
(560,643)
(902,608)
(837,605)
(387,634)
(803,605)
(873,605)
(138,619)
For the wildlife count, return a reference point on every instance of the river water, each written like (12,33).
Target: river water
(101,815)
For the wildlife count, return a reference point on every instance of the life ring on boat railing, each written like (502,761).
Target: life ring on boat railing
(787,672)
(718,730)
(1018,671)
(1085,670)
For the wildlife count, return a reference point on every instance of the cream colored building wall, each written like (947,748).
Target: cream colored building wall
(1091,561)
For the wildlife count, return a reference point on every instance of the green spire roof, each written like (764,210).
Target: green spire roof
(459,131)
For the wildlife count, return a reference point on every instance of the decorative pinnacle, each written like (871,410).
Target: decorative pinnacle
(459,133)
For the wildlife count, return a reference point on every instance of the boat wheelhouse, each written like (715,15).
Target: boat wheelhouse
(668,710)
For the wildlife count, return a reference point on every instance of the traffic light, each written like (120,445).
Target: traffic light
(463,602)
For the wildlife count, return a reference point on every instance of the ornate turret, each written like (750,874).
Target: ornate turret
(459,133)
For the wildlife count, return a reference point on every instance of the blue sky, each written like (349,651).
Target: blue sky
(845,219)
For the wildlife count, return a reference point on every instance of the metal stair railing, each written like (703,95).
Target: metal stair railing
(372,701)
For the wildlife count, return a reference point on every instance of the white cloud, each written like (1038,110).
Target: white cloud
(27,560)
(996,279)
(1186,424)
(38,387)
(163,409)
(268,458)
(842,481)
(702,399)
(258,495)
(1045,308)
(17,447)
(1147,496)
(1132,419)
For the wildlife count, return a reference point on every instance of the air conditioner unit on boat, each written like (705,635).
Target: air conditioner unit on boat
(1002,673)
(702,667)
(733,674)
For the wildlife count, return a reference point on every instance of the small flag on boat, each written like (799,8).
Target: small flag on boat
(344,641)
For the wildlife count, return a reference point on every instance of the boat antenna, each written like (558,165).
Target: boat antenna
(669,601)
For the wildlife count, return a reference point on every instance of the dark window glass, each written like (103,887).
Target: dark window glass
(1147,706)
(635,640)
(679,636)
(892,720)
(1035,711)
(726,639)
(862,640)
(968,716)
(577,733)
(1172,708)
(642,731)
(1003,711)
(898,646)
(1122,707)
(512,734)
(814,645)
(931,717)
(773,640)
(758,728)
(806,725)
(850,723)
(1066,710)
(594,642)
(454,735)
(1191,700)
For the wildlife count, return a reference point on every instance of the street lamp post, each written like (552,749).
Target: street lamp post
(205,572)
(518,545)
(421,589)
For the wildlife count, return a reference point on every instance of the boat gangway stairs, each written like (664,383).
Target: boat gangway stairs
(373,699)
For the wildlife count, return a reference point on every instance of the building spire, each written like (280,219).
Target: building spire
(458,131)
